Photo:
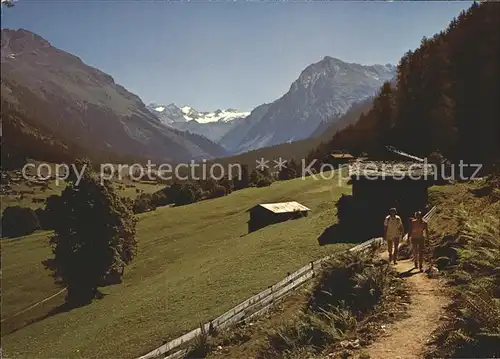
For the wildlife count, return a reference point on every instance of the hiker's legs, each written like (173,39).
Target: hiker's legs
(389,248)
(421,252)
(414,251)
(396,250)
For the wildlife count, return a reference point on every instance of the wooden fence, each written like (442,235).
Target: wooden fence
(259,303)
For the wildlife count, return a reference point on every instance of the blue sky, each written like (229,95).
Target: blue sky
(226,54)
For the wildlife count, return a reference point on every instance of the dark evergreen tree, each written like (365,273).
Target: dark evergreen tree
(383,112)
(242,180)
(289,171)
(228,184)
(189,192)
(255,177)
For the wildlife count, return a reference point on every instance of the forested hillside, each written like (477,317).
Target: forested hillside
(445,98)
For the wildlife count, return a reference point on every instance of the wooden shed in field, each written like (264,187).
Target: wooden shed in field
(338,158)
(265,214)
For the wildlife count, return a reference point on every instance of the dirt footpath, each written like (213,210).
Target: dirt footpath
(407,338)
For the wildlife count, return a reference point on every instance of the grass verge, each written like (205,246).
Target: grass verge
(466,248)
(343,310)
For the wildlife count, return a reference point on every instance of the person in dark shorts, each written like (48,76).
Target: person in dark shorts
(418,236)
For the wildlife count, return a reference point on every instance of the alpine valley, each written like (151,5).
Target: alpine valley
(53,102)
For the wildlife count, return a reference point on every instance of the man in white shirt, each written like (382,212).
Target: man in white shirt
(393,231)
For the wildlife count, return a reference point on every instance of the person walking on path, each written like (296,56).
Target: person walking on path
(393,231)
(419,237)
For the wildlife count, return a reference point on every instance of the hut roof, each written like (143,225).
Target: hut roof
(284,207)
(342,155)
(374,170)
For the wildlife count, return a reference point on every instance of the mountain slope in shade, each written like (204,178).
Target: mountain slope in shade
(213,125)
(324,91)
(81,105)
(233,140)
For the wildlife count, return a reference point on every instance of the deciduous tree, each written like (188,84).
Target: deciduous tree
(94,236)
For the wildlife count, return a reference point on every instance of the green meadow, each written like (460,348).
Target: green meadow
(194,263)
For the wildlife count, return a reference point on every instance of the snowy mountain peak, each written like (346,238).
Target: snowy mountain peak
(186,109)
(173,114)
(221,116)
(212,125)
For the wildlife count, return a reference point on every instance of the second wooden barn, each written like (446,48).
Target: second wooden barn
(269,213)
(378,186)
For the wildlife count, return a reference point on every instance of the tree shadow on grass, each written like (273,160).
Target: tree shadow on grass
(62,308)
(14,327)
(331,235)
(349,232)
(336,233)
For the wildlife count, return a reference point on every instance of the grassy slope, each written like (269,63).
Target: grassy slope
(452,199)
(194,263)
(467,225)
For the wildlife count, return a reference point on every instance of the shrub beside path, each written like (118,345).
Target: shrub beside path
(408,338)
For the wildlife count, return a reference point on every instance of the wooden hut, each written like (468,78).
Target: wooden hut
(269,213)
(378,186)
